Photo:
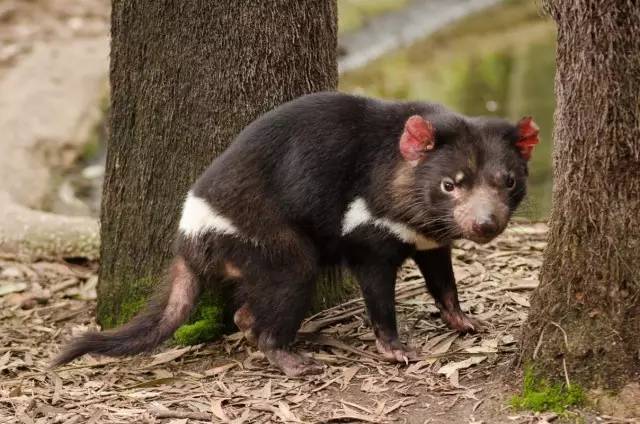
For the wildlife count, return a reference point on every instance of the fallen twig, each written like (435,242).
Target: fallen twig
(203,416)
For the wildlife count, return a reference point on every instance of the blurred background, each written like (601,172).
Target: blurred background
(479,57)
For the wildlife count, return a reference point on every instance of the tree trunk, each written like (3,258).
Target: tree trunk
(186,77)
(586,313)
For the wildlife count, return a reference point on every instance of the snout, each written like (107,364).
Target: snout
(482,215)
(485,229)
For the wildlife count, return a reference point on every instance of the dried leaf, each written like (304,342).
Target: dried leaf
(87,291)
(153,383)
(451,367)
(4,360)
(218,410)
(57,386)
(168,356)
(284,412)
(487,346)
(440,344)
(298,398)
(7,287)
(347,376)
(220,369)
(508,339)
(371,385)
(351,415)
(520,299)
(265,391)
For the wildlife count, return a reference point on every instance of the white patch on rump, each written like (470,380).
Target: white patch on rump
(198,216)
(358,213)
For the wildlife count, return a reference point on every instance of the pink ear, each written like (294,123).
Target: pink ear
(527,136)
(417,139)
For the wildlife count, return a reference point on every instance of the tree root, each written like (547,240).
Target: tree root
(30,234)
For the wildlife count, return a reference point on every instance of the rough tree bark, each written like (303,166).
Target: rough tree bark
(586,312)
(186,77)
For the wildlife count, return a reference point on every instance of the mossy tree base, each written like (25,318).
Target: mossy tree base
(120,300)
(212,315)
(584,321)
(179,97)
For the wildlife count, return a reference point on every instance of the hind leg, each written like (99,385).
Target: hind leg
(278,313)
(278,287)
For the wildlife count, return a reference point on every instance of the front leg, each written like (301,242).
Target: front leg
(437,270)
(377,279)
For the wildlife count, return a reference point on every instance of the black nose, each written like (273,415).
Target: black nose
(486,227)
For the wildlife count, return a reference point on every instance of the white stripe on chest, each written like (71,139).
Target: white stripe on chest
(358,214)
(199,217)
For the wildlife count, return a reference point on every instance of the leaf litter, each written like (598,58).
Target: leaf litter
(229,381)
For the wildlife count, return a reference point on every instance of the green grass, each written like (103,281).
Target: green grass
(539,395)
(353,14)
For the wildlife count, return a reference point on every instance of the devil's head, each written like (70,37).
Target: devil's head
(463,177)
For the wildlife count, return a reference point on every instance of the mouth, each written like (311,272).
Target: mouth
(481,238)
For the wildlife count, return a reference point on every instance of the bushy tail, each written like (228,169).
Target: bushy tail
(164,314)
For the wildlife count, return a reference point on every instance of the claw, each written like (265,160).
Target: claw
(457,320)
(395,351)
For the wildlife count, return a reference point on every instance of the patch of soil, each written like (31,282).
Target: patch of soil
(457,379)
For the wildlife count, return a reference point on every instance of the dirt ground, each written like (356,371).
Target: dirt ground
(458,379)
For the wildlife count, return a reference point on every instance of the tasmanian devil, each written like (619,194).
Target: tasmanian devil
(327,179)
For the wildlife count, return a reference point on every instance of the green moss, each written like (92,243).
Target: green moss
(206,322)
(130,308)
(539,395)
(206,327)
(117,307)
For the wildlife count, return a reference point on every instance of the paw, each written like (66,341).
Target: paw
(396,352)
(244,320)
(457,320)
(293,364)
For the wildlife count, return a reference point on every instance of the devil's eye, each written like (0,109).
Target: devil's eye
(509,181)
(447,185)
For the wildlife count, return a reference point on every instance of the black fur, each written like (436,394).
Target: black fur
(286,183)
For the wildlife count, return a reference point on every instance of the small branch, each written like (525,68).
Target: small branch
(564,362)
(564,333)
(539,344)
(202,416)
(566,374)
